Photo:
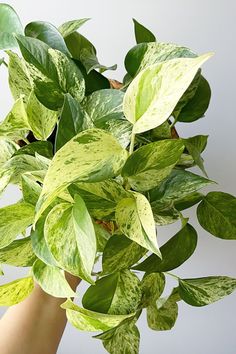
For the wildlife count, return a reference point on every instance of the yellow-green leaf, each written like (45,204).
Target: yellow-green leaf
(16,291)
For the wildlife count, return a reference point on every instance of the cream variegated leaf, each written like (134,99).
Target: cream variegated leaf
(135,220)
(91,156)
(7,149)
(19,253)
(41,119)
(153,94)
(52,280)
(16,291)
(86,320)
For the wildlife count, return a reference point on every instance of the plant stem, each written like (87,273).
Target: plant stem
(131,147)
(172,275)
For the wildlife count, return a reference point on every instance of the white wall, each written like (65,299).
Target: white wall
(202,25)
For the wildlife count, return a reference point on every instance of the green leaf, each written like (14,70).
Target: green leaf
(164,212)
(102,236)
(86,320)
(7,149)
(47,33)
(188,201)
(217,215)
(39,244)
(19,253)
(142,34)
(91,156)
(10,24)
(83,50)
(106,111)
(152,286)
(52,280)
(94,81)
(161,316)
(31,189)
(120,253)
(116,294)
(41,119)
(135,220)
(15,219)
(165,83)
(174,252)
(145,54)
(15,125)
(101,198)
(16,291)
(195,145)
(205,291)
(52,72)
(122,339)
(71,26)
(71,238)
(151,163)
(198,105)
(176,186)
(44,148)
(19,79)
(73,120)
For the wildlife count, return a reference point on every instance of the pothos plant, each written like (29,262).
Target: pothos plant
(101,168)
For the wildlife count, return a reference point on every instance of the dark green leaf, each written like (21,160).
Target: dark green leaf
(217,214)
(188,201)
(72,121)
(195,145)
(174,252)
(47,33)
(205,291)
(152,286)
(120,253)
(9,24)
(151,163)
(116,294)
(43,148)
(142,34)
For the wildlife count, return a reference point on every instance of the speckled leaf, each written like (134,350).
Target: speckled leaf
(52,72)
(71,26)
(7,149)
(19,80)
(161,316)
(84,51)
(41,119)
(145,54)
(101,198)
(174,252)
(72,121)
(188,201)
(165,83)
(152,286)
(52,280)
(151,163)
(71,239)
(135,220)
(205,291)
(177,185)
(198,105)
(217,214)
(102,236)
(47,33)
(164,212)
(122,339)
(142,34)
(31,189)
(118,294)
(86,320)
(120,253)
(19,253)
(105,107)
(10,23)
(91,156)
(14,219)
(15,125)
(195,145)
(16,291)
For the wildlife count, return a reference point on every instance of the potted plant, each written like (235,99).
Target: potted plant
(101,168)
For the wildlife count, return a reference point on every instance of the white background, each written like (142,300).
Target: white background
(202,25)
